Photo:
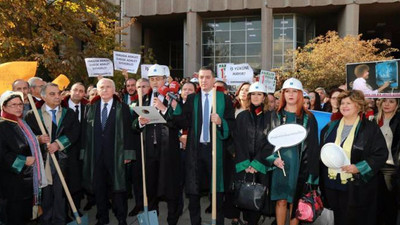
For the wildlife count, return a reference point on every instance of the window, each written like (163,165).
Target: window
(290,31)
(234,40)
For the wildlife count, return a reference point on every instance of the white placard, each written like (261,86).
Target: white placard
(149,112)
(126,61)
(99,66)
(287,135)
(144,70)
(237,74)
(221,69)
(269,80)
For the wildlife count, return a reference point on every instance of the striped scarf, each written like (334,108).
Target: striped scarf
(39,177)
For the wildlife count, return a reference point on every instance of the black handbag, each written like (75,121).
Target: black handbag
(249,195)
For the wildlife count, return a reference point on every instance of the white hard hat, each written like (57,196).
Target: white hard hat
(333,156)
(156,71)
(292,83)
(257,87)
(194,80)
(8,94)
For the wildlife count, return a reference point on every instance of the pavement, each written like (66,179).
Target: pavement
(325,219)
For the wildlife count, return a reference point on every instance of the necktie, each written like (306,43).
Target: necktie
(53,125)
(77,111)
(53,116)
(206,120)
(104,116)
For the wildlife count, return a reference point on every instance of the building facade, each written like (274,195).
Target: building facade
(187,34)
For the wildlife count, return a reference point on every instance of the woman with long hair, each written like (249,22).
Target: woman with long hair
(388,119)
(333,103)
(252,147)
(315,101)
(352,192)
(300,162)
(241,98)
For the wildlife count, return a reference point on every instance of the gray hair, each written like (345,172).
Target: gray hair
(44,88)
(105,79)
(33,80)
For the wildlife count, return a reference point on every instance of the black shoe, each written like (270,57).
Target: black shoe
(208,210)
(274,222)
(135,211)
(88,206)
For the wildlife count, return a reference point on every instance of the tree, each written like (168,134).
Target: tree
(322,62)
(58,34)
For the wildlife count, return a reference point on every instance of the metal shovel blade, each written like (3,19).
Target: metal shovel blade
(84,221)
(148,218)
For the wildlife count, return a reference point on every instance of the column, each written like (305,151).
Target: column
(349,20)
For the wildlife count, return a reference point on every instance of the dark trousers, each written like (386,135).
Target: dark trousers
(19,212)
(53,203)
(152,184)
(205,174)
(137,183)
(387,198)
(102,187)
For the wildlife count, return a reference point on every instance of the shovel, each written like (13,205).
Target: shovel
(214,163)
(84,220)
(146,217)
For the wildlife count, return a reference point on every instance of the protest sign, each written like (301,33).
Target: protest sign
(369,76)
(126,61)
(99,66)
(237,74)
(62,81)
(268,79)
(144,69)
(12,71)
(221,69)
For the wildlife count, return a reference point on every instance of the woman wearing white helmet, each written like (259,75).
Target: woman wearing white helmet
(301,162)
(251,143)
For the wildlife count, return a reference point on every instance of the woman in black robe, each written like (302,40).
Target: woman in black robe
(21,164)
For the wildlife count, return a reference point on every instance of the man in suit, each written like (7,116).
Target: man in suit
(196,116)
(22,86)
(35,85)
(77,103)
(161,143)
(109,144)
(62,132)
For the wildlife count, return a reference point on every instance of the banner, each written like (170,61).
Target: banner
(126,61)
(144,70)
(368,77)
(237,74)
(62,81)
(11,71)
(99,66)
(221,67)
(269,80)
(323,118)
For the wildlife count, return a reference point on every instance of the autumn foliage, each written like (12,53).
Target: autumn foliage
(58,34)
(322,62)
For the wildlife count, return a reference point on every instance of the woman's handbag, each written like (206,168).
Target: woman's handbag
(249,195)
(309,207)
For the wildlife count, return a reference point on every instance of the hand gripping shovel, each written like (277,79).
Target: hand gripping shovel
(146,217)
(79,220)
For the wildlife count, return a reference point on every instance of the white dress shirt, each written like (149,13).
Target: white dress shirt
(72,106)
(203,100)
(108,107)
(361,84)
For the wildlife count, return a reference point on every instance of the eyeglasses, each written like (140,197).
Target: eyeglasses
(143,86)
(16,105)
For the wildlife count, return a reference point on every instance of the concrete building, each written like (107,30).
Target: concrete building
(187,34)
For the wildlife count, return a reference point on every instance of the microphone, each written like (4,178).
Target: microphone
(172,96)
(155,92)
(163,90)
(174,87)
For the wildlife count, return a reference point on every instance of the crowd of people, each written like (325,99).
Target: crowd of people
(95,134)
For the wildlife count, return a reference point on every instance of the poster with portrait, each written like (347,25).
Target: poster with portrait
(369,77)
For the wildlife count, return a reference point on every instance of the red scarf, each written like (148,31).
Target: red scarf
(9,116)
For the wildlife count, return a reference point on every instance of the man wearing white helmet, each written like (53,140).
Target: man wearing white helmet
(162,153)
